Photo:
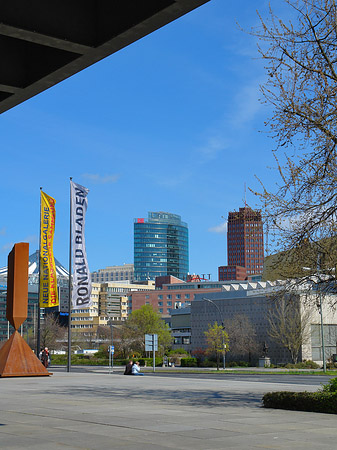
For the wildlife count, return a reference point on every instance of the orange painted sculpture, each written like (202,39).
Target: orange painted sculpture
(16,357)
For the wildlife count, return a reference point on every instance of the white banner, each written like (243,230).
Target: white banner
(81,275)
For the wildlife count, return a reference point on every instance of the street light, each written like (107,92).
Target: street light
(223,328)
(320,304)
(111,358)
(319,257)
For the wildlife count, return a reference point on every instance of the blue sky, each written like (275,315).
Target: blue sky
(171,123)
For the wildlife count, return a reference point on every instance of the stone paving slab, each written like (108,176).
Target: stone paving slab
(110,411)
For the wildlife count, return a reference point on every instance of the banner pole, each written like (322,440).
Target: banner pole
(38,337)
(69,285)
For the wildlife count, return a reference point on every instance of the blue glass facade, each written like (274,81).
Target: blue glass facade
(160,246)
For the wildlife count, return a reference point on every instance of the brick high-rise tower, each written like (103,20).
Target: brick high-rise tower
(245,250)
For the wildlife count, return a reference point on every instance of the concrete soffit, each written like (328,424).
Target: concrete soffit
(43,43)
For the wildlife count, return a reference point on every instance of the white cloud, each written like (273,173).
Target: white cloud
(7,247)
(33,238)
(174,180)
(213,146)
(221,229)
(101,179)
(2,231)
(247,104)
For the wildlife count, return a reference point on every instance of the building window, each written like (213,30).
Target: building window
(169,296)
(160,297)
(160,303)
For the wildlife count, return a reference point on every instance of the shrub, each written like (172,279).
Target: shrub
(178,351)
(102,352)
(149,361)
(330,386)
(324,402)
(188,362)
(120,361)
(208,363)
(237,364)
(310,364)
(58,359)
(303,365)
(331,365)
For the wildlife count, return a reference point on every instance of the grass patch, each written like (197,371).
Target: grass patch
(241,372)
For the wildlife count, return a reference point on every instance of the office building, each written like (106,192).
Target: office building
(110,304)
(256,301)
(113,273)
(180,325)
(160,247)
(172,293)
(245,249)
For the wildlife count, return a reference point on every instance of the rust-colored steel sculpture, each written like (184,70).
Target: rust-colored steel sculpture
(16,357)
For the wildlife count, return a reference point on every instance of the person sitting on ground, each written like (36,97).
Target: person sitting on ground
(136,369)
(128,368)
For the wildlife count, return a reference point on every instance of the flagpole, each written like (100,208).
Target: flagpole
(69,287)
(38,337)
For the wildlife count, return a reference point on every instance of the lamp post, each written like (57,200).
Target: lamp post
(321,309)
(223,337)
(320,303)
(111,358)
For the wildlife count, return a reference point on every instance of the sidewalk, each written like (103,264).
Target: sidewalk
(102,411)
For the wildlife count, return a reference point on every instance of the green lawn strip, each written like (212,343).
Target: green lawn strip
(222,372)
(243,372)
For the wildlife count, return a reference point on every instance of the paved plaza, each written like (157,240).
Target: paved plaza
(110,411)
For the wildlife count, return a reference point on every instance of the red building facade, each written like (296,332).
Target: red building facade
(245,248)
(232,273)
(172,295)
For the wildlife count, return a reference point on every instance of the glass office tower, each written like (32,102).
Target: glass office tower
(160,246)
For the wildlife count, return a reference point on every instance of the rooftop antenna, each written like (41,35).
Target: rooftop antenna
(267,236)
(245,196)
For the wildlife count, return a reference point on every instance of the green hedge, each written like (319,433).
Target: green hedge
(85,360)
(322,401)
(149,361)
(237,364)
(188,362)
(91,360)
(208,363)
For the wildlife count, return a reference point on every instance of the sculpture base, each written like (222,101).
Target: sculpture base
(17,359)
(264,362)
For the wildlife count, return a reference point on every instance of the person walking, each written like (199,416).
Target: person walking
(45,357)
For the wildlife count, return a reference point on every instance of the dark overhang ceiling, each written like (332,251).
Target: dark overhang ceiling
(43,42)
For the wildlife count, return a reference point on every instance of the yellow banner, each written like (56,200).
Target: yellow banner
(48,281)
